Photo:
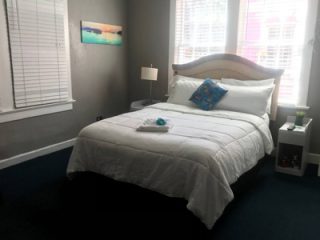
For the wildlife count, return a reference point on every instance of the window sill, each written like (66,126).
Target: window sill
(293,107)
(21,113)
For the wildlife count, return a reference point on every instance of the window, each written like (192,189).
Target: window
(39,55)
(194,20)
(273,33)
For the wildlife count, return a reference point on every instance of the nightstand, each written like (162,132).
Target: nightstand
(140,104)
(293,147)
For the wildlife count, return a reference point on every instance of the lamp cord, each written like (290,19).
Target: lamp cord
(150,92)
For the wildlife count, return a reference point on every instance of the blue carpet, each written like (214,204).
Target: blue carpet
(39,202)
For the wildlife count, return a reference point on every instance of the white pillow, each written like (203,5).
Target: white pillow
(182,91)
(253,100)
(236,82)
(177,78)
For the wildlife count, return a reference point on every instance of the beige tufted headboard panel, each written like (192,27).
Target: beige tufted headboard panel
(219,66)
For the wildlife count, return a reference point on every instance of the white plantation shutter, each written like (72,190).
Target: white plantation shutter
(38,51)
(272,33)
(200,28)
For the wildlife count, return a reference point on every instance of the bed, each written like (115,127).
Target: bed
(203,154)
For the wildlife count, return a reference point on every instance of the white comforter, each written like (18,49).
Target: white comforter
(197,159)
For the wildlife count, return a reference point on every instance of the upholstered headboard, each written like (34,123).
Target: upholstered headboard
(219,66)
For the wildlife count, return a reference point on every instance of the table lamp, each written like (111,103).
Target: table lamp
(151,74)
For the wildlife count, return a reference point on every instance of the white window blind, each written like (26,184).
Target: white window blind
(200,28)
(38,51)
(272,33)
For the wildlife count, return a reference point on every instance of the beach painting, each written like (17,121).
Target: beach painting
(100,33)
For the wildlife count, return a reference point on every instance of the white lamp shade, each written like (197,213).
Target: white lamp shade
(148,73)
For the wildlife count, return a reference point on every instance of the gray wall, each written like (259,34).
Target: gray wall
(99,83)
(149,22)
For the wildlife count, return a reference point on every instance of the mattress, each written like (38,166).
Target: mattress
(201,155)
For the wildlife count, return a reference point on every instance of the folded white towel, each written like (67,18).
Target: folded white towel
(150,125)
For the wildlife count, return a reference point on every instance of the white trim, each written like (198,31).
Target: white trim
(67,45)
(313,158)
(307,52)
(172,42)
(8,162)
(292,106)
(6,98)
(21,113)
(232,27)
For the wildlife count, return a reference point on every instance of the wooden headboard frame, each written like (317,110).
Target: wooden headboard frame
(219,66)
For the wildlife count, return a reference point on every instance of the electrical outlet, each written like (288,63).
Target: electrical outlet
(98,118)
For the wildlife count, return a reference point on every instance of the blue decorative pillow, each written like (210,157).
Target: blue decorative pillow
(208,95)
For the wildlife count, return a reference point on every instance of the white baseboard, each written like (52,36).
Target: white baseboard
(313,158)
(8,162)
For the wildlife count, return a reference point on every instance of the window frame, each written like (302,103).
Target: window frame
(232,44)
(8,112)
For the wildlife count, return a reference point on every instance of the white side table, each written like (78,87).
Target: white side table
(293,147)
(140,104)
